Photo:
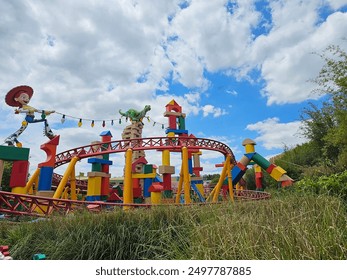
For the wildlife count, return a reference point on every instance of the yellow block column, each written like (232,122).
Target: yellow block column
(186,177)
(128,182)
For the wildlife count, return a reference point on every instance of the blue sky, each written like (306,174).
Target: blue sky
(240,69)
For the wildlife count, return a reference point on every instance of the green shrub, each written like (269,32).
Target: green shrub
(335,184)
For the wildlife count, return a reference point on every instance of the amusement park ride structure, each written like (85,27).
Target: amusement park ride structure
(144,184)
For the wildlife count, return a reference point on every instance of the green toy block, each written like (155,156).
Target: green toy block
(39,257)
(13,153)
(96,167)
(148,168)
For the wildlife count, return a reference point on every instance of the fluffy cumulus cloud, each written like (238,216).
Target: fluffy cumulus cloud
(91,58)
(210,109)
(285,54)
(276,135)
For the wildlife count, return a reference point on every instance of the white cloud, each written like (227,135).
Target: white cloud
(336,4)
(217,37)
(210,109)
(276,135)
(285,54)
(91,58)
(232,92)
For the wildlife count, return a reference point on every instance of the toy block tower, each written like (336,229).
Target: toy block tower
(46,168)
(276,172)
(258,177)
(134,131)
(99,178)
(20,167)
(176,118)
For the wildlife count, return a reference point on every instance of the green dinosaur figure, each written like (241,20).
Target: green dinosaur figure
(134,115)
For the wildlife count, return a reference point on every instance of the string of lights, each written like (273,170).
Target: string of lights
(102,121)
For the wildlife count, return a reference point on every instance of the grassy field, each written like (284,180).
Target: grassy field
(287,227)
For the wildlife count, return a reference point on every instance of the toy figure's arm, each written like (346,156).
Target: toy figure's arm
(31,110)
(24,111)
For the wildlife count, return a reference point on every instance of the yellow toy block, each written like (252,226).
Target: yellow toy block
(249,145)
(19,190)
(94,186)
(200,187)
(143,176)
(155,197)
(277,173)
(257,168)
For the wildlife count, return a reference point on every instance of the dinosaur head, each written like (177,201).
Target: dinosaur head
(147,108)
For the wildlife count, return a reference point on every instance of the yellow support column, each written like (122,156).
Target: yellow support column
(218,187)
(186,177)
(166,157)
(128,182)
(179,188)
(66,176)
(230,182)
(33,180)
(73,193)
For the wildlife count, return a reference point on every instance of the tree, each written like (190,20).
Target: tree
(6,175)
(326,126)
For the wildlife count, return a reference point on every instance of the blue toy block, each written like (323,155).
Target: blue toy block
(158,179)
(202,199)
(147,183)
(93,198)
(190,166)
(45,180)
(99,160)
(106,133)
(236,174)
(250,155)
(198,182)
(176,131)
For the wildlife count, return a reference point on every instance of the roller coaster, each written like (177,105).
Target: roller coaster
(144,184)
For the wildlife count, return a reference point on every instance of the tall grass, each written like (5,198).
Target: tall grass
(286,227)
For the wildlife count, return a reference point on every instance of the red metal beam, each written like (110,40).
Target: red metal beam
(140,144)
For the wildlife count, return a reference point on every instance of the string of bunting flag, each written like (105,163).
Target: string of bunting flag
(102,121)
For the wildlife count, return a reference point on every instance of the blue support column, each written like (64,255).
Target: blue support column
(45,180)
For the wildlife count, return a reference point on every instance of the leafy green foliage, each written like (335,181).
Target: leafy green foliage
(326,126)
(6,175)
(335,184)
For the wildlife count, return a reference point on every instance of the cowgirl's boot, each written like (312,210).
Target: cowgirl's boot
(48,132)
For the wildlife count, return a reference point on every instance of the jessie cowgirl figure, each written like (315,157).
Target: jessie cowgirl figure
(20,97)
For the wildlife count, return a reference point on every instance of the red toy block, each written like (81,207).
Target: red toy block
(137,192)
(241,166)
(270,168)
(50,149)
(19,174)
(4,250)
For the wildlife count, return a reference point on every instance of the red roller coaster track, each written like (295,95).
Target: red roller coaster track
(29,205)
(153,143)
(18,204)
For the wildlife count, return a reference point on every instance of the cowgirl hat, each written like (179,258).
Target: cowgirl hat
(15,92)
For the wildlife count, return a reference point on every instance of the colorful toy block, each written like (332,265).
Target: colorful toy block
(13,153)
